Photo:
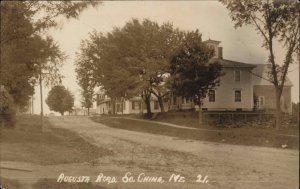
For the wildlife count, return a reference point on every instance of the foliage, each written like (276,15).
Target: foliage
(274,21)
(7,109)
(193,74)
(26,51)
(21,64)
(85,69)
(15,57)
(132,60)
(60,99)
(41,15)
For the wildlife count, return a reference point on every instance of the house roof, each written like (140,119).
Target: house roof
(260,75)
(211,41)
(233,64)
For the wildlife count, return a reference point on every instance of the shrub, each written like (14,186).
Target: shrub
(7,109)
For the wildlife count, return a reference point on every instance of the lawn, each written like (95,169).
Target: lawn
(26,143)
(264,124)
(247,135)
(47,184)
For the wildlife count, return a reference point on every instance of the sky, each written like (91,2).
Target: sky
(211,18)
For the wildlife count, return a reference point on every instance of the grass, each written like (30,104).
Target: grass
(254,136)
(53,184)
(26,143)
(190,119)
(9,183)
(48,184)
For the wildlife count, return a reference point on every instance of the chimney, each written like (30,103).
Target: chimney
(220,53)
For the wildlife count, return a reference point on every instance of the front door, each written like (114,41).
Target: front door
(261,102)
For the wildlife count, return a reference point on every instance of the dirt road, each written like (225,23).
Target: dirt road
(226,166)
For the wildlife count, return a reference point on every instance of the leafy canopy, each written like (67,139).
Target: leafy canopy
(274,20)
(60,99)
(25,47)
(41,15)
(85,69)
(22,58)
(130,59)
(193,74)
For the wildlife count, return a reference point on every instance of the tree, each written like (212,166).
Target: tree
(7,109)
(132,60)
(23,58)
(41,15)
(192,72)
(85,73)
(275,21)
(26,52)
(60,99)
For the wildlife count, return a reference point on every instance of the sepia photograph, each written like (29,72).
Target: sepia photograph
(168,94)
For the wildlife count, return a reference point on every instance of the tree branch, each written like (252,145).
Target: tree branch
(261,77)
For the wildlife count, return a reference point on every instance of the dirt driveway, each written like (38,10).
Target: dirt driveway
(226,166)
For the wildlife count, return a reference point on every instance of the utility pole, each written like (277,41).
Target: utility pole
(41,93)
(32,104)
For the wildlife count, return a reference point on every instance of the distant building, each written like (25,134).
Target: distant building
(134,105)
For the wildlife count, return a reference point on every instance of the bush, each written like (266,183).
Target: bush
(7,109)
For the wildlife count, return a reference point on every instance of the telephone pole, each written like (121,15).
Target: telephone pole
(41,93)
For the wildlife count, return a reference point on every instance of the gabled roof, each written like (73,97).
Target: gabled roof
(232,64)
(260,76)
(211,41)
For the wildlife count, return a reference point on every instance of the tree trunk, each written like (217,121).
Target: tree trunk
(113,104)
(62,113)
(161,103)
(88,111)
(148,105)
(200,115)
(278,109)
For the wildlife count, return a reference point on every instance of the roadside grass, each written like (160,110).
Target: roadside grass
(53,184)
(47,184)
(9,183)
(190,119)
(251,136)
(26,143)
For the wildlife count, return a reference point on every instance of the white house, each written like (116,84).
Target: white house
(134,105)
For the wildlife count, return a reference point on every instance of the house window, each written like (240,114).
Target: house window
(212,96)
(156,105)
(136,105)
(124,106)
(237,96)
(237,75)
(185,100)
